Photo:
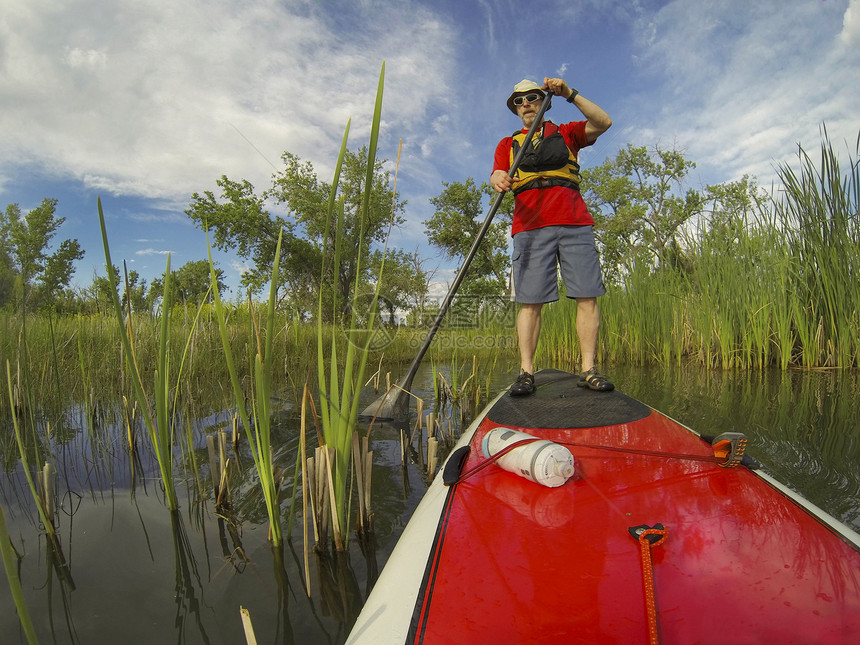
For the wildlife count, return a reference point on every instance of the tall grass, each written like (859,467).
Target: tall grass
(339,401)
(160,421)
(819,207)
(776,285)
(258,424)
(41,503)
(9,561)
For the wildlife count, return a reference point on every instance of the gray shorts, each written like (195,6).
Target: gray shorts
(539,253)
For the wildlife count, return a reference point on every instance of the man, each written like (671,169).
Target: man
(552,224)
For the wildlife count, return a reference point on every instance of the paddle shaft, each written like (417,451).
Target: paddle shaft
(406,383)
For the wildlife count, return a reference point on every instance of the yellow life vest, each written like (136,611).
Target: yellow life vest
(547,161)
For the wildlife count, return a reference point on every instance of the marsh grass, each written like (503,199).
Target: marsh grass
(773,286)
(339,383)
(90,357)
(159,422)
(39,492)
(10,558)
(257,424)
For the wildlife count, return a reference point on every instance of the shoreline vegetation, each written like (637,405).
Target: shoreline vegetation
(768,282)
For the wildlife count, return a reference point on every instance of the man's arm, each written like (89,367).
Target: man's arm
(597,120)
(500,180)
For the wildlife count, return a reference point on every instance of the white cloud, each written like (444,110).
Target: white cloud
(240,267)
(850,35)
(152,252)
(158,98)
(742,83)
(93,59)
(162,218)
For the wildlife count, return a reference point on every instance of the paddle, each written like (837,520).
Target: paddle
(395,402)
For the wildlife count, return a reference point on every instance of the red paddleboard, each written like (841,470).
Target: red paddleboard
(728,555)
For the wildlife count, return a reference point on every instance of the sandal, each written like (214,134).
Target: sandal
(524,385)
(594,380)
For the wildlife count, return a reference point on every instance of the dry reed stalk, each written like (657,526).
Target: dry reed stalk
(222,458)
(323,496)
(303,448)
(368,468)
(47,481)
(223,492)
(432,448)
(375,378)
(250,638)
(362,458)
(431,425)
(320,495)
(214,471)
(329,453)
(417,427)
(310,467)
(419,448)
(359,478)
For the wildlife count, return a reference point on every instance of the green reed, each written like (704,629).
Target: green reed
(258,424)
(819,207)
(160,422)
(40,500)
(339,400)
(772,286)
(91,369)
(9,564)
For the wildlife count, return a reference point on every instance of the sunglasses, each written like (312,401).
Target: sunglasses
(531,98)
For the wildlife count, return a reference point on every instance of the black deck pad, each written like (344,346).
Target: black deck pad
(560,403)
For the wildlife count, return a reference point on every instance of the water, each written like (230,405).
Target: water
(140,574)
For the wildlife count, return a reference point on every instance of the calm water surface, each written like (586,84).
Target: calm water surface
(140,574)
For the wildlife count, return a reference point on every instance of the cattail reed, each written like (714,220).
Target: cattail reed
(339,381)
(432,451)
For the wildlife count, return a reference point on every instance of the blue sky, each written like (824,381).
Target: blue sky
(145,102)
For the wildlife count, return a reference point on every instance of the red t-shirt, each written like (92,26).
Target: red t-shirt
(547,206)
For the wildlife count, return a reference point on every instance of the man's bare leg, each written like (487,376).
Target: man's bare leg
(587,326)
(528,331)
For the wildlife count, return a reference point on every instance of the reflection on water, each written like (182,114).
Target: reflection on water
(804,427)
(143,575)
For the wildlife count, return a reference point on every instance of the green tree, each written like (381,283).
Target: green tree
(459,215)
(7,265)
(26,254)
(639,204)
(134,292)
(404,285)
(733,200)
(131,288)
(239,221)
(100,292)
(190,283)
(128,287)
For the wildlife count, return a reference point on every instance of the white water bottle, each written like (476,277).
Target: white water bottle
(541,461)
